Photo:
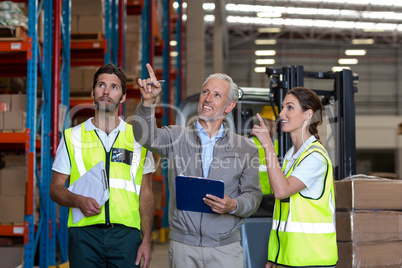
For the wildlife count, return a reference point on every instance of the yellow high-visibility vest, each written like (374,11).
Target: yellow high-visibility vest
(124,166)
(303,229)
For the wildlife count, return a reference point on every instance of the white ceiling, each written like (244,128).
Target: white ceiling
(318,20)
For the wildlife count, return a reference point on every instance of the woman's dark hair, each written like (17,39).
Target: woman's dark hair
(308,99)
(111,69)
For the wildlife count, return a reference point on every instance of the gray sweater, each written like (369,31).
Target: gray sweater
(235,162)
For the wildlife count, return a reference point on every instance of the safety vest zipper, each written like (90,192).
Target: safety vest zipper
(107,213)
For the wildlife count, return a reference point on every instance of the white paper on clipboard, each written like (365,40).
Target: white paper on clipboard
(92,184)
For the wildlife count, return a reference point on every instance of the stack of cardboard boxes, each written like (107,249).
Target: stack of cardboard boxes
(13,112)
(369,222)
(81,79)
(12,204)
(133,48)
(12,189)
(86,17)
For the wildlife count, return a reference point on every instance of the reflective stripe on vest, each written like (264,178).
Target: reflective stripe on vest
(125,162)
(303,229)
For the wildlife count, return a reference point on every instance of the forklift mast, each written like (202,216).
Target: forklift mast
(342,96)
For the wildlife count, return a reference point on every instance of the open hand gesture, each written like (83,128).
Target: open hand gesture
(150,88)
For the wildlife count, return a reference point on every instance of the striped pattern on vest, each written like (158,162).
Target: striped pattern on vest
(303,229)
(124,166)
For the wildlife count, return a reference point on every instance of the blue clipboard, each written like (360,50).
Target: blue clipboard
(191,190)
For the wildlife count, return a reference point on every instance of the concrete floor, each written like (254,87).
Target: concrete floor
(160,255)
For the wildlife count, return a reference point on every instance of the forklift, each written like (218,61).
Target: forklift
(338,134)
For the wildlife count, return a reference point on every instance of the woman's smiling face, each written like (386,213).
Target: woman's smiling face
(292,115)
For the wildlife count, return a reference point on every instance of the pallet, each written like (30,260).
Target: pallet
(13,33)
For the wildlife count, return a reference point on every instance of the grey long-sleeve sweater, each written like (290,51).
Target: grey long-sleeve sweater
(235,161)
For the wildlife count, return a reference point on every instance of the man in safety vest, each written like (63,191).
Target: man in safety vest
(108,235)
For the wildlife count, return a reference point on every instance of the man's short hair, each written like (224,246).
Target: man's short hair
(233,88)
(111,69)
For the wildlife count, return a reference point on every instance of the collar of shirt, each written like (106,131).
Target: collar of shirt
(89,126)
(205,137)
(289,155)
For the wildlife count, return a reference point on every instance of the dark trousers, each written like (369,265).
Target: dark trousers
(93,246)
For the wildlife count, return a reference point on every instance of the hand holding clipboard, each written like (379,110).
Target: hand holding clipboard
(92,184)
(191,191)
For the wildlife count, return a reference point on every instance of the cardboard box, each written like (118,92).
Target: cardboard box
(12,256)
(14,120)
(90,24)
(369,254)
(1,120)
(363,193)
(133,65)
(363,226)
(88,78)
(79,7)
(12,181)
(76,79)
(15,160)
(6,98)
(74,24)
(12,208)
(19,102)
(133,25)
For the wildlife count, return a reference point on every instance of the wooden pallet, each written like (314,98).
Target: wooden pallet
(13,33)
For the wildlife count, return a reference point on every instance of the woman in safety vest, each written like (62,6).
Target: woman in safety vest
(303,228)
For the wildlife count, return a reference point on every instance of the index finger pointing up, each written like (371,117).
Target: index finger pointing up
(262,123)
(151,72)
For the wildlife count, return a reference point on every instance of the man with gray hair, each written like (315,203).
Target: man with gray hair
(205,149)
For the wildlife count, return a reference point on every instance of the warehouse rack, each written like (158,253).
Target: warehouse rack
(152,49)
(19,58)
(53,57)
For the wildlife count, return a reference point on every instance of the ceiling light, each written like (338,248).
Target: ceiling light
(264,61)
(269,15)
(355,52)
(356,2)
(174,54)
(208,6)
(337,24)
(173,43)
(265,52)
(373,30)
(209,18)
(348,61)
(269,30)
(265,42)
(339,68)
(259,69)
(369,41)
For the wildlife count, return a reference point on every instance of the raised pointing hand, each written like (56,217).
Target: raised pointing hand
(150,88)
(262,133)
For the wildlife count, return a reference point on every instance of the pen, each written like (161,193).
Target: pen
(160,81)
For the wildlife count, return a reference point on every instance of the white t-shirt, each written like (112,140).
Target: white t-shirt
(62,164)
(311,171)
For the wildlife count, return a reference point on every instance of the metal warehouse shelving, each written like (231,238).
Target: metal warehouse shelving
(52,58)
